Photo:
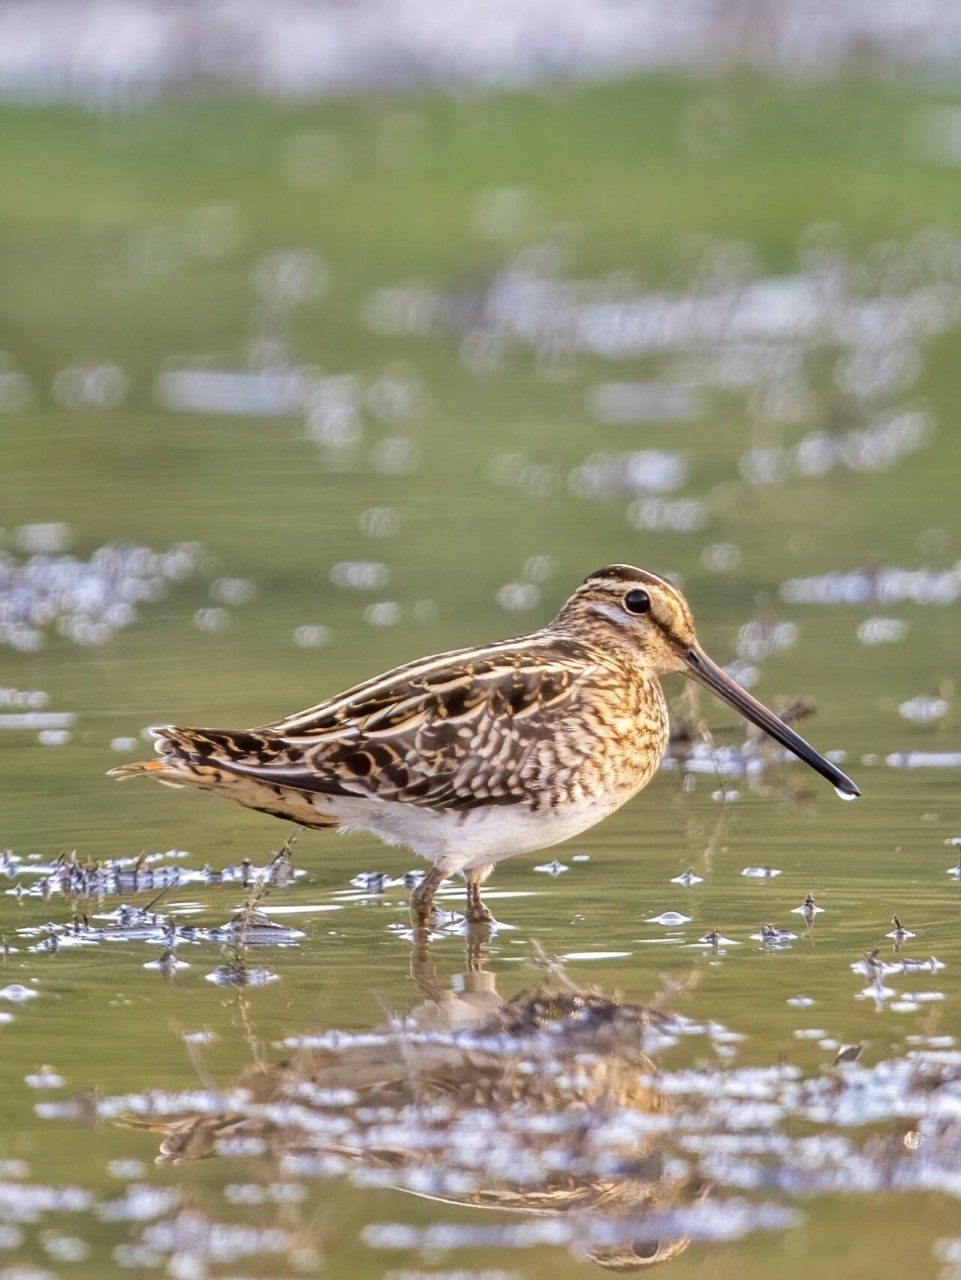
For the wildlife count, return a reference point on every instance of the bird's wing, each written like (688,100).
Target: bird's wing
(456,731)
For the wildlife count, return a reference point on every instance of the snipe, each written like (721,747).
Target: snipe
(472,756)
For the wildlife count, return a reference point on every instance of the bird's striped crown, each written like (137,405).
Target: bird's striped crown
(632,611)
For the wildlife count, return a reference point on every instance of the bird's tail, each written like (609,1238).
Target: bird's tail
(197,756)
(161,770)
(214,760)
(177,765)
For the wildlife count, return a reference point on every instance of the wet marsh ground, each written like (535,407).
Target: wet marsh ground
(353,383)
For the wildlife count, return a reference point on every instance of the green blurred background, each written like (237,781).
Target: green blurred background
(411,290)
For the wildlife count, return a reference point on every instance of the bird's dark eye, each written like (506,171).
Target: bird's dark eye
(637,602)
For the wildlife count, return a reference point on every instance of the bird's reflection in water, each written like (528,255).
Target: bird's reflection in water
(542,1104)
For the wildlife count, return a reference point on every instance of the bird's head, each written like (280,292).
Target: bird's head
(647,620)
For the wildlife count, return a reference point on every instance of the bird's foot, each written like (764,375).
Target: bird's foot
(477,913)
(422,900)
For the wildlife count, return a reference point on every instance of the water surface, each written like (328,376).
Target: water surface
(343,420)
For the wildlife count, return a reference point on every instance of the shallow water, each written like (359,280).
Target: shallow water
(439,408)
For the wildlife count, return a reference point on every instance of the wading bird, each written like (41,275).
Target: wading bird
(474,755)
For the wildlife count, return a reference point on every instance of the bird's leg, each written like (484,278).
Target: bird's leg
(474,956)
(477,913)
(422,898)
(422,969)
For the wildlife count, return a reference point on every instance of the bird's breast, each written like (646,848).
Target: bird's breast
(611,745)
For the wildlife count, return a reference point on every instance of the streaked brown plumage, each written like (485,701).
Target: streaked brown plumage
(477,754)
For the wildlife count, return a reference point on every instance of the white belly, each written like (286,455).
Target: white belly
(457,841)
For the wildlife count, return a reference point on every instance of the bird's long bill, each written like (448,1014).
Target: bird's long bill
(709,674)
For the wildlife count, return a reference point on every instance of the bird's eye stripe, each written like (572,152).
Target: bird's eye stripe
(637,602)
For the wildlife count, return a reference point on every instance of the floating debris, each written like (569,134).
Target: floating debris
(760,873)
(249,927)
(86,601)
(377,882)
(472,54)
(101,385)
(889,585)
(16,993)
(931,965)
(132,925)
(687,878)
(772,937)
(882,631)
(253,928)
(554,868)
(596,955)
(876,970)
(924,760)
(808,909)
(44,1078)
(848,1053)
(241,975)
(10,863)
(168,963)
(44,722)
(872,966)
(923,709)
(371,881)
(227,391)
(669,918)
(716,940)
(899,933)
(232,591)
(916,998)
(312,636)
(360,575)
(203,1037)
(76,877)
(518,597)
(800,1002)
(723,761)
(759,638)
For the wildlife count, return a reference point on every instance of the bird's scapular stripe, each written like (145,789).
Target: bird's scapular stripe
(419,670)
